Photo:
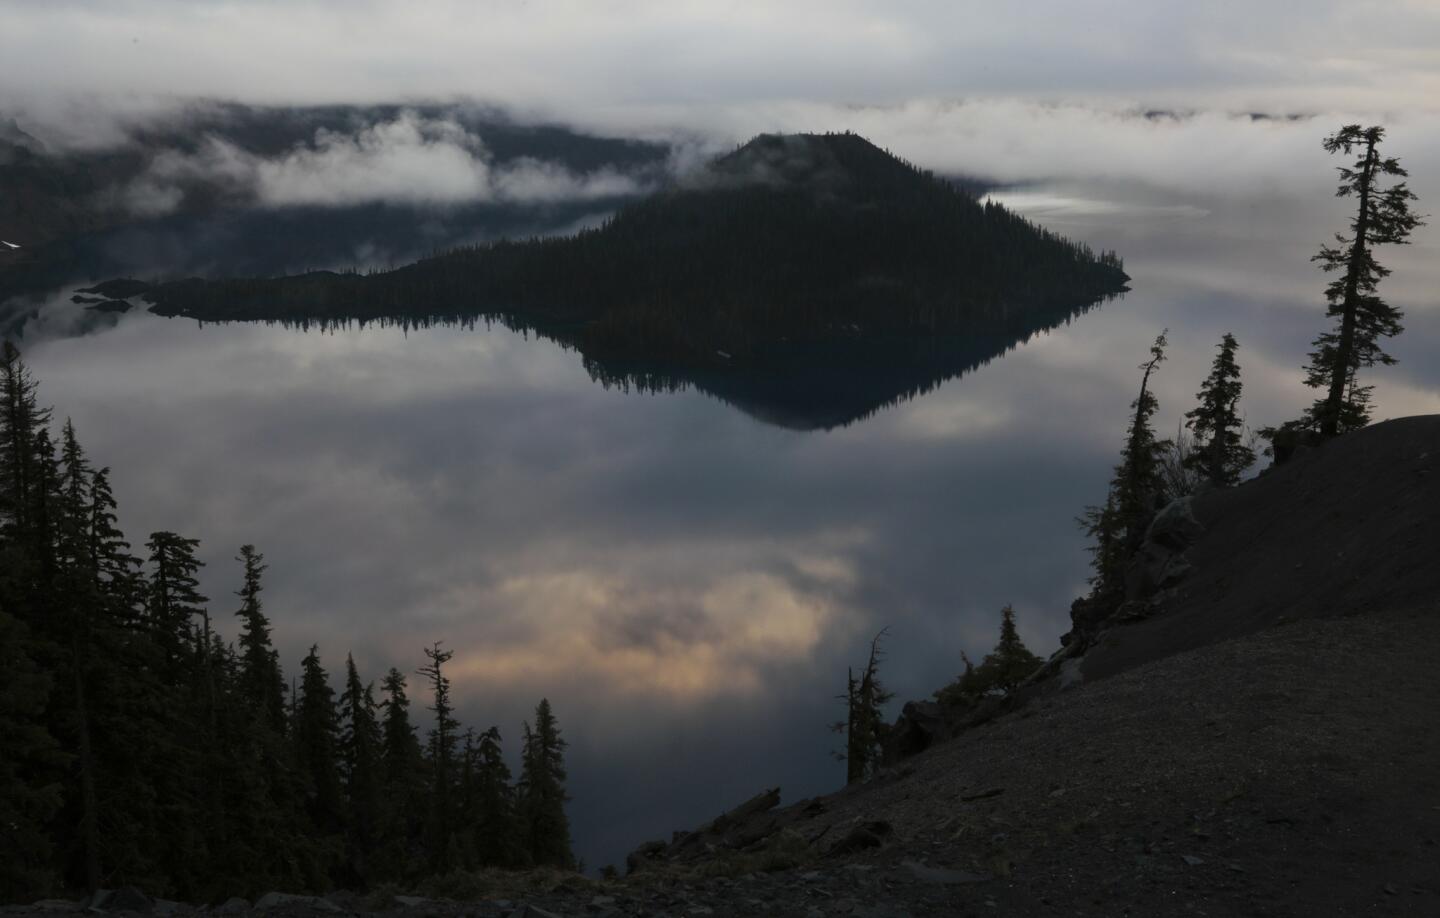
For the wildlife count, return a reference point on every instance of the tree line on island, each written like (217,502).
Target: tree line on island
(789,240)
(1210,451)
(140,748)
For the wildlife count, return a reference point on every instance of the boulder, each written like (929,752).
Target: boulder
(1161,563)
(921,725)
(232,906)
(863,837)
(648,853)
(1175,526)
(942,876)
(1086,616)
(124,899)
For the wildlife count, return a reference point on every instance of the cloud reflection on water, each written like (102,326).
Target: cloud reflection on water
(685,583)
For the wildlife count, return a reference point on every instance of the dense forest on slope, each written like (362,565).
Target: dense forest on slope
(793,255)
(140,748)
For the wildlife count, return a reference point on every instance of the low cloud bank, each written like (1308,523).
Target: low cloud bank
(411,159)
(1225,153)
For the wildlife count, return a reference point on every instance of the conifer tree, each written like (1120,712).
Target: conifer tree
(443,739)
(175,599)
(462,851)
(494,825)
(1011,663)
(402,764)
(262,683)
(31,764)
(116,570)
(1219,451)
(21,423)
(316,733)
(72,592)
(1362,318)
(544,826)
(1118,527)
(360,751)
(864,725)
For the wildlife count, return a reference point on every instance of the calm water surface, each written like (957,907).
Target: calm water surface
(685,583)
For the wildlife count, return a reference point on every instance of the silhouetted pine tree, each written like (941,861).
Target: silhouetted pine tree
(277,830)
(31,764)
(441,753)
(403,767)
(316,736)
(360,751)
(260,677)
(544,828)
(494,825)
(116,570)
(1219,451)
(1011,662)
(1117,528)
(156,792)
(1382,217)
(463,854)
(22,422)
(175,600)
(864,725)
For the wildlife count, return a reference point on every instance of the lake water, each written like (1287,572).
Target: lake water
(686,583)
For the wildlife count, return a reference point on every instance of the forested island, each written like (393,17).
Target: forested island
(809,279)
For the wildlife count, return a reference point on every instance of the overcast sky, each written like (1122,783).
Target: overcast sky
(613,60)
(609,52)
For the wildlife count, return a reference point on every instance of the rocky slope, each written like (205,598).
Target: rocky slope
(1265,742)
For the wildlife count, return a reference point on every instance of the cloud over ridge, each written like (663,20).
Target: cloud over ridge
(411,159)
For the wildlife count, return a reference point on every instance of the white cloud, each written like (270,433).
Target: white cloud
(410,160)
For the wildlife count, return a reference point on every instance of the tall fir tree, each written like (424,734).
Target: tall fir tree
(1011,662)
(22,422)
(116,570)
(1117,527)
(261,680)
(864,725)
(316,736)
(31,766)
(175,603)
(360,757)
(442,758)
(544,827)
(1362,318)
(403,820)
(75,601)
(1220,453)
(494,824)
